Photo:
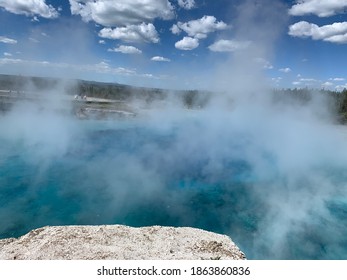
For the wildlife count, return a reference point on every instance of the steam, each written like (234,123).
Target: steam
(295,152)
(269,174)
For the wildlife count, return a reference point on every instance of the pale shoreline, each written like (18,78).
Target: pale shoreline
(119,242)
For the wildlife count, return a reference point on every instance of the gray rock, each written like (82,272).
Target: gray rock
(119,242)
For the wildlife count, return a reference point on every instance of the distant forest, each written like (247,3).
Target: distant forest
(337,101)
(190,98)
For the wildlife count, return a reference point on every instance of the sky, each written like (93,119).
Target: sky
(178,44)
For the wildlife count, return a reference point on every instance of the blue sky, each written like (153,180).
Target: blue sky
(178,44)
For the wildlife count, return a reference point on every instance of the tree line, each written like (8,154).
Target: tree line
(336,101)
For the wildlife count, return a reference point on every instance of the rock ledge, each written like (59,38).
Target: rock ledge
(119,242)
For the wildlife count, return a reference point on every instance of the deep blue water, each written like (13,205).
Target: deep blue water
(141,175)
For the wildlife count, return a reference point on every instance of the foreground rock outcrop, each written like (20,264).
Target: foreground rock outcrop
(119,242)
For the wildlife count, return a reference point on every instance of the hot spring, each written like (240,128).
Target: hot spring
(273,179)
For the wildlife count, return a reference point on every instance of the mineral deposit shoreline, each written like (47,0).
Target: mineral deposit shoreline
(119,242)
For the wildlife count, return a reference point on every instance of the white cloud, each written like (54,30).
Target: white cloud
(339,39)
(79,69)
(264,63)
(321,8)
(126,50)
(187,44)
(4,61)
(327,84)
(341,87)
(337,79)
(335,33)
(201,27)
(6,40)
(101,67)
(285,70)
(228,45)
(104,67)
(7,54)
(102,42)
(132,33)
(175,29)
(34,40)
(186,4)
(308,80)
(113,13)
(277,80)
(160,59)
(30,8)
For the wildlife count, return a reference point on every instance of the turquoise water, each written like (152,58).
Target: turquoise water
(139,175)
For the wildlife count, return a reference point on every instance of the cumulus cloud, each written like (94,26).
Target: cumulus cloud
(30,8)
(113,13)
(186,4)
(132,33)
(199,28)
(175,29)
(285,70)
(228,45)
(126,50)
(321,8)
(160,59)
(334,33)
(187,44)
(6,40)
(339,39)
(196,29)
